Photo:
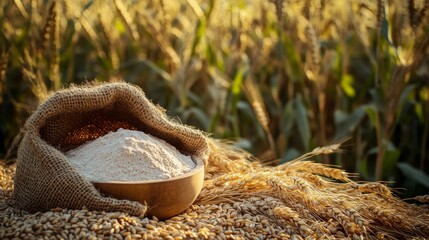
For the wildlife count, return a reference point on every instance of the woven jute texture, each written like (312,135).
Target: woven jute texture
(44,177)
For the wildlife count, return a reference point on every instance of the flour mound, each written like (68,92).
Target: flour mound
(127,155)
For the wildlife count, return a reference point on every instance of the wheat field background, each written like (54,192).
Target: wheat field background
(278,78)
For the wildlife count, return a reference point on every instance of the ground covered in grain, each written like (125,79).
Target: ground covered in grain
(241,199)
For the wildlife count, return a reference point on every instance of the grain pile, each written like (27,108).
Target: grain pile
(243,200)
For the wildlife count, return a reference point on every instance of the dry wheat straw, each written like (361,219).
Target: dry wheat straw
(33,74)
(414,57)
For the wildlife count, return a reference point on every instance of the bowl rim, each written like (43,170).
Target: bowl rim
(199,166)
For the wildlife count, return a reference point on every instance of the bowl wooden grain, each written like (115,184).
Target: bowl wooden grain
(165,198)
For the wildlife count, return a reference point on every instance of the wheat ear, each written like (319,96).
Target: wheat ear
(254,96)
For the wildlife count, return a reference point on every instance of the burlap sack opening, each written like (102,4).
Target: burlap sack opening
(44,178)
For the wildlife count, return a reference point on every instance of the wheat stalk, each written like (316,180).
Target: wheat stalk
(316,168)
(314,63)
(422,198)
(372,187)
(50,44)
(256,101)
(48,26)
(334,147)
(4,59)
(416,17)
(21,8)
(55,46)
(127,19)
(255,98)
(279,5)
(88,29)
(162,41)
(306,9)
(195,6)
(106,31)
(381,12)
(109,39)
(34,76)
(165,16)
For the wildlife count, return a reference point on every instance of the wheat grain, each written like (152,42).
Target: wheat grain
(47,28)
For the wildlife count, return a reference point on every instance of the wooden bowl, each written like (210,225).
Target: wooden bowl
(165,198)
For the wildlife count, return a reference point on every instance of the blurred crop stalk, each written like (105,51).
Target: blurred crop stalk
(409,59)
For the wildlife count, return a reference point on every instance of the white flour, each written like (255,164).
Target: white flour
(127,155)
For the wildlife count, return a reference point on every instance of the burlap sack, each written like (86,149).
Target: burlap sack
(45,179)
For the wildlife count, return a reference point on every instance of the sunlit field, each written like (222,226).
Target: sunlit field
(278,78)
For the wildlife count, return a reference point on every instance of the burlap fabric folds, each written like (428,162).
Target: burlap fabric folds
(44,177)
